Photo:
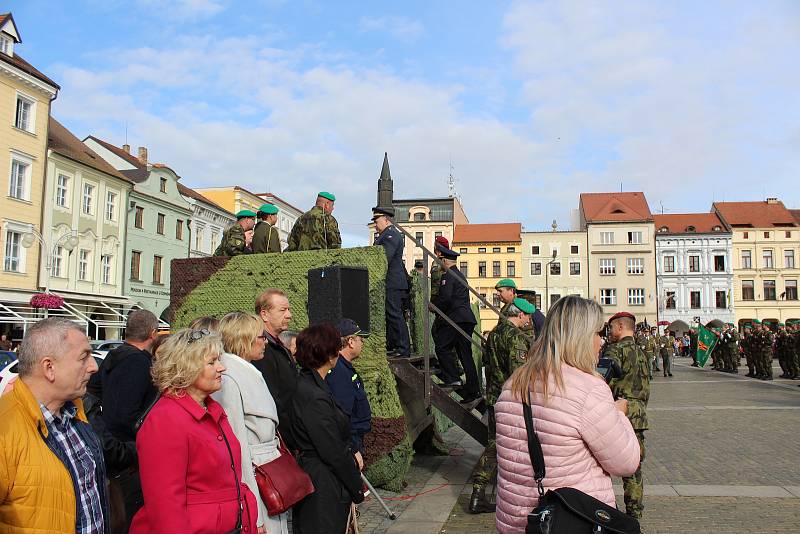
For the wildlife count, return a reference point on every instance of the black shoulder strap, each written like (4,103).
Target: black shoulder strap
(534,446)
(140,421)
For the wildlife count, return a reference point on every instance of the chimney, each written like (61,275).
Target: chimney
(126,148)
(772,200)
(143,154)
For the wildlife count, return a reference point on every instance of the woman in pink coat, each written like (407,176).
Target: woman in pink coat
(191,478)
(586,437)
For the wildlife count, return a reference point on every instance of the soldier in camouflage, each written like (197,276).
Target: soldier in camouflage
(506,349)
(649,348)
(634,385)
(234,239)
(265,236)
(693,346)
(767,339)
(666,347)
(796,352)
(784,347)
(317,228)
(507,291)
(732,342)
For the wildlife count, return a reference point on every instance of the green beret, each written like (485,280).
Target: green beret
(268,209)
(243,214)
(781,324)
(523,305)
(756,321)
(329,196)
(506,282)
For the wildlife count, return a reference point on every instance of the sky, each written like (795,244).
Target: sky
(528,104)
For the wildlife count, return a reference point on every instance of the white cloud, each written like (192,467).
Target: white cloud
(402,28)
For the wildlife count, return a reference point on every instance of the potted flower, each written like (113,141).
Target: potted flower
(48,301)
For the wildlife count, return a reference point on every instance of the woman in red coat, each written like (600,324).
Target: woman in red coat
(189,458)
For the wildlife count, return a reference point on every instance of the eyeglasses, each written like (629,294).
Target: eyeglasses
(195,335)
(263,336)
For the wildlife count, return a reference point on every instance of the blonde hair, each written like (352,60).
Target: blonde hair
(181,359)
(238,331)
(567,337)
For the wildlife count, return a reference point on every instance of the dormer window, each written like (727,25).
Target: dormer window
(663,229)
(690,228)
(7,45)
(717,228)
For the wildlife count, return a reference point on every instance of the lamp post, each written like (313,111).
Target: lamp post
(547,281)
(68,241)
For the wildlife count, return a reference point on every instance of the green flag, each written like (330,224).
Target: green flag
(706,339)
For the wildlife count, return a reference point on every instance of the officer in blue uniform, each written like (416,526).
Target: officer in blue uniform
(398,343)
(346,385)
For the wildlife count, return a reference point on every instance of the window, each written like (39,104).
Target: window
(636,296)
(788,259)
(61,190)
(6,45)
(721,298)
(535,250)
(537,301)
(769,290)
(105,265)
(694,299)
(18,181)
(419,238)
(495,300)
(608,266)
(669,264)
(84,263)
(606,238)
(496,269)
(766,235)
(555,268)
(160,224)
(463,268)
(719,264)
(608,297)
(214,240)
(573,249)
(768,263)
(635,266)
(111,206)
(58,255)
(419,217)
(511,249)
(136,260)
(694,264)
(25,117)
(791,290)
(199,237)
(748,290)
(462,250)
(536,268)
(554,297)
(788,234)
(138,220)
(179,229)
(747,259)
(482,269)
(157,269)
(574,268)
(511,269)
(163,185)
(745,235)
(481,250)
(635,238)
(13,253)
(88,199)
(670,300)
(495,250)
(480,302)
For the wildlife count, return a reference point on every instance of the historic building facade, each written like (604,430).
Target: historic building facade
(209,220)
(554,265)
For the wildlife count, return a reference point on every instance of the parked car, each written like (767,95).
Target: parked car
(9,372)
(101,348)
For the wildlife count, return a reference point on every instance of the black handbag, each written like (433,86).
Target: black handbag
(568,510)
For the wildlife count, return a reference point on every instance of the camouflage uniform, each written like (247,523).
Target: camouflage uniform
(314,230)
(635,387)
(436,279)
(506,349)
(666,347)
(733,349)
(796,353)
(781,345)
(266,238)
(747,349)
(693,347)
(233,242)
(650,353)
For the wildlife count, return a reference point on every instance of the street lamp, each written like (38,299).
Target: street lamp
(68,241)
(547,282)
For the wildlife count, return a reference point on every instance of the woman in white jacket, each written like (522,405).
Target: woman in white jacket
(249,405)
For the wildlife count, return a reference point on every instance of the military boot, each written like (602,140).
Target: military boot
(478,503)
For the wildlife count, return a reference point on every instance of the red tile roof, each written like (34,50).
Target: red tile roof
(17,61)
(133,160)
(615,207)
(678,223)
(763,214)
(487,233)
(191,193)
(62,141)
(795,214)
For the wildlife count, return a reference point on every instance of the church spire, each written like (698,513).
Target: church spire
(385,186)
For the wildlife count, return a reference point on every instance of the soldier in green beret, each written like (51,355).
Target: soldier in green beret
(747,350)
(507,291)
(234,239)
(796,350)
(506,349)
(317,228)
(266,237)
(783,350)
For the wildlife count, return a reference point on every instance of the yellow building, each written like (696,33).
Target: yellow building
(25,96)
(766,245)
(489,253)
(621,243)
(554,265)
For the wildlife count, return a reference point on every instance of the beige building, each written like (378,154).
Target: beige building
(766,245)
(621,260)
(25,96)
(554,264)
(489,253)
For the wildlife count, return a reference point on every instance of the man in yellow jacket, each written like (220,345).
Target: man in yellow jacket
(52,476)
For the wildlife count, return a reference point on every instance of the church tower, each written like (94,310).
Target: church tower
(385,186)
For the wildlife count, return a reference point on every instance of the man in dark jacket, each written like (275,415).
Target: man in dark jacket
(277,365)
(266,237)
(126,391)
(453,301)
(390,238)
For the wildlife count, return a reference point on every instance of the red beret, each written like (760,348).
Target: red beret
(442,240)
(620,315)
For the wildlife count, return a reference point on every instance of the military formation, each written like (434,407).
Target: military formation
(760,345)
(726,355)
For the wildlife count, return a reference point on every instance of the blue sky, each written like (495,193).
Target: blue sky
(534,102)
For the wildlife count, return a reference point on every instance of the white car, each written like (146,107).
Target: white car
(9,373)
(101,348)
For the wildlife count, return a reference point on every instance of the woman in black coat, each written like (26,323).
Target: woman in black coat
(322,433)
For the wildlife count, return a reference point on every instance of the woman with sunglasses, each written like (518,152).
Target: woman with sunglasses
(189,458)
(250,407)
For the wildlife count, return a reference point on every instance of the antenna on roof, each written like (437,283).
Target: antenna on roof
(126,132)
(620,186)
(451,180)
